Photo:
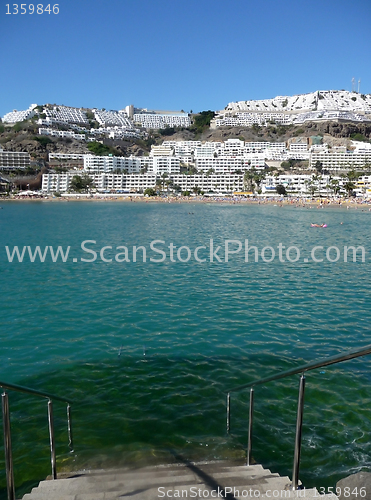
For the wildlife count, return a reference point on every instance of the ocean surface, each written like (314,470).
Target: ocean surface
(148,350)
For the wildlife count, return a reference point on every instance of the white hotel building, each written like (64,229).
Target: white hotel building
(226,164)
(10,160)
(18,116)
(132,164)
(158,120)
(136,183)
(338,162)
(62,133)
(100,164)
(66,114)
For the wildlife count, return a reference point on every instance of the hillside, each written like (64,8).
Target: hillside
(26,138)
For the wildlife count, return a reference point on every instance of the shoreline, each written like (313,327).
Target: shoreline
(296,202)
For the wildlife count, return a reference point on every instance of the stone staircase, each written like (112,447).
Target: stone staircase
(186,480)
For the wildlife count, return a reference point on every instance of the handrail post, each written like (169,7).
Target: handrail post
(8,447)
(51,436)
(69,425)
(249,439)
(228,412)
(299,426)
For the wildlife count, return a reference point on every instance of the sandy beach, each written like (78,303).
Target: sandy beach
(357,203)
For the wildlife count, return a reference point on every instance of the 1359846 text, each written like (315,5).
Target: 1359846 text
(32,8)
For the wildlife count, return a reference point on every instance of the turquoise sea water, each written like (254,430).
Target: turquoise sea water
(149,350)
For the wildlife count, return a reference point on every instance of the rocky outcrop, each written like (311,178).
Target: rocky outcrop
(349,488)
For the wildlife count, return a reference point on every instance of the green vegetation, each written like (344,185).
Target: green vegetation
(31,170)
(282,129)
(17,127)
(281,190)
(359,137)
(252,179)
(334,186)
(150,192)
(350,177)
(93,124)
(100,149)
(256,128)
(202,121)
(2,128)
(299,131)
(60,170)
(42,139)
(81,183)
(318,166)
(288,165)
(188,170)
(167,131)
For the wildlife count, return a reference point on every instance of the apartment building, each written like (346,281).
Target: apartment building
(164,165)
(124,183)
(62,133)
(112,118)
(162,150)
(69,160)
(122,133)
(160,121)
(335,162)
(189,145)
(99,164)
(132,164)
(66,156)
(66,114)
(300,184)
(226,164)
(18,116)
(209,183)
(14,159)
(135,183)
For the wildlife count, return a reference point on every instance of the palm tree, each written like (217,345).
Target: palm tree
(335,186)
(350,177)
(316,183)
(349,186)
(310,186)
(248,179)
(159,185)
(162,181)
(258,177)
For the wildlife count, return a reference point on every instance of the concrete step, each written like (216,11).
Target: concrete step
(189,480)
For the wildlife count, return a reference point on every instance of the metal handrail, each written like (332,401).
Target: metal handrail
(27,390)
(351,354)
(7,432)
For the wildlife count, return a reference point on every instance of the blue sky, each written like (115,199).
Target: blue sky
(181,54)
